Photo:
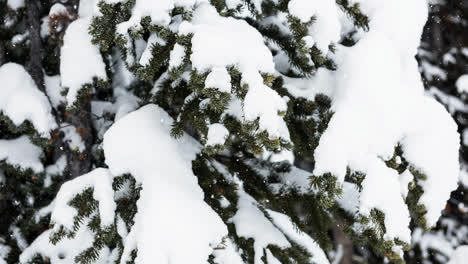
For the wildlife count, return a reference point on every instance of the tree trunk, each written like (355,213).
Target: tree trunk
(346,244)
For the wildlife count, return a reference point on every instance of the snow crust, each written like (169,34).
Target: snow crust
(21,100)
(21,152)
(80,60)
(170,193)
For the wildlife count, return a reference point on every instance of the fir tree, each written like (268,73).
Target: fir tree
(237,131)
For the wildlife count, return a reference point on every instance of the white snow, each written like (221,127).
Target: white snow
(58,9)
(101,181)
(227,254)
(65,251)
(250,222)
(5,250)
(170,193)
(158,11)
(21,152)
(405,178)
(220,79)
(219,42)
(80,60)
(378,99)
(217,134)
(21,100)
(432,72)
(327,27)
(459,256)
(72,138)
(146,55)
(53,90)
(177,56)
(284,223)
(462,84)
(55,169)
(15,4)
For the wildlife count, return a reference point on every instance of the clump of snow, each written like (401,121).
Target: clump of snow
(378,113)
(101,181)
(21,100)
(217,134)
(432,72)
(72,138)
(285,224)
(170,193)
(228,254)
(58,9)
(250,222)
(146,55)
(405,178)
(66,249)
(5,250)
(15,4)
(327,27)
(177,56)
(55,169)
(462,84)
(219,42)
(21,152)
(19,38)
(220,79)
(53,90)
(158,11)
(80,60)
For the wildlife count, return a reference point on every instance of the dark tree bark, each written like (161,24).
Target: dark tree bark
(35,52)
(78,163)
(341,239)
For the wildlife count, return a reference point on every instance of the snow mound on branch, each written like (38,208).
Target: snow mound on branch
(217,134)
(378,103)
(101,181)
(80,60)
(65,251)
(158,11)
(219,42)
(462,84)
(171,211)
(250,222)
(21,152)
(285,224)
(228,254)
(15,4)
(21,100)
(327,27)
